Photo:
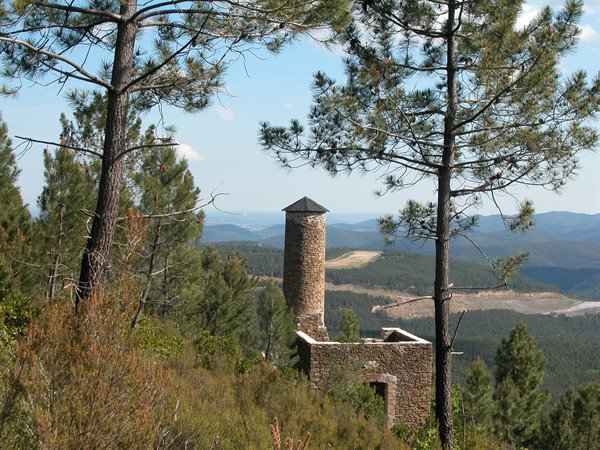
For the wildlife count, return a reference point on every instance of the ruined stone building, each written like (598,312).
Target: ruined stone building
(398,365)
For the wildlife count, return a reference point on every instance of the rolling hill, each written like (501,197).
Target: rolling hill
(563,247)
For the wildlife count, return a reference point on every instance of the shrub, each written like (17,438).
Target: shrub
(81,382)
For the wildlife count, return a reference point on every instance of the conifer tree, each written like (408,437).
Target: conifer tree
(519,397)
(14,215)
(61,227)
(276,328)
(451,93)
(186,47)
(218,296)
(349,327)
(477,396)
(574,421)
(167,197)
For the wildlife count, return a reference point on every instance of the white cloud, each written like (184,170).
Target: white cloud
(588,9)
(224,113)
(528,13)
(288,106)
(588,33)
(187,152)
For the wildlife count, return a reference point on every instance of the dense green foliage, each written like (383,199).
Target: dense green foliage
(574,421)
(218,298)
(349,327)
(59,233)
(15,309)
(520,369)
(166,196)
(14,216)
(415,273)
(511,412)
(399,270)
(261,260)
(571,344)
(477,397)
(582,282)
(276,335)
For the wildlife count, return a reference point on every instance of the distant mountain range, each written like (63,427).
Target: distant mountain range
(563,247)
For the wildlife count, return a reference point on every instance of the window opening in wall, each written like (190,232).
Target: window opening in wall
(380,389)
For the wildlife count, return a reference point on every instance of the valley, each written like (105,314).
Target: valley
(406,306)
(563,252)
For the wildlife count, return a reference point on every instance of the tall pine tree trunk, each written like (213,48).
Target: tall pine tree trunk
(443,355)
(443,350)
(95,261)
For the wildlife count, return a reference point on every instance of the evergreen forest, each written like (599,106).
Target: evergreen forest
(124,324)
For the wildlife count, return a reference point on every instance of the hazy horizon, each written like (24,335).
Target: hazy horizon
(221,143)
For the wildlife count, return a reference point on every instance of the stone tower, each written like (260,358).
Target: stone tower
(304,265)
(397,365)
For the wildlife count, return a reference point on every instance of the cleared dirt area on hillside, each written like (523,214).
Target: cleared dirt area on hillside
(352,259)
(407,307)
(527,303)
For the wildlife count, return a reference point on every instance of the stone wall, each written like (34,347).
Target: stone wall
(304,270)
(404,367)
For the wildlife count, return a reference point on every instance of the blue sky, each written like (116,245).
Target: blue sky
(221,142)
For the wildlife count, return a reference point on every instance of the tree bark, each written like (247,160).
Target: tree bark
(443,351)
(95,262)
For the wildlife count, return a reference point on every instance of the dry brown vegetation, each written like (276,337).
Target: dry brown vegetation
(84,381)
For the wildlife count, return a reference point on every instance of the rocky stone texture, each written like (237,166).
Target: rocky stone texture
(304,270)
(398,365)
(403,367)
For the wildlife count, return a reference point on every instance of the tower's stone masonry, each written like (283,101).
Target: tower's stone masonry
(402,369)
(304,266)
(398,366)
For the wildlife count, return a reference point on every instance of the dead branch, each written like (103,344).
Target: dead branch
(456,329)
(412,300)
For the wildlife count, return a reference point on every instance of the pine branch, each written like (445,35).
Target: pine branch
(59,144)
(86,76)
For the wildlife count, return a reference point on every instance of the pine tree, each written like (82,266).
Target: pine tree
(478,402)
(276,327)
(520,369)
(454,95)
(14,215)
(574,421)
(180,61)
(61,227)
(217,296)
(166,195)
(349,327)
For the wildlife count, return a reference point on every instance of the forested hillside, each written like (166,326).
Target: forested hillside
(571,344)
(128,320)
(397,270)
(563,249)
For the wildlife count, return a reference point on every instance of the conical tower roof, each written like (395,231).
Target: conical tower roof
(305,204)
